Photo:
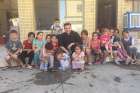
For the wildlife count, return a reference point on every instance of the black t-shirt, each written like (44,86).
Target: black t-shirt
(65,39)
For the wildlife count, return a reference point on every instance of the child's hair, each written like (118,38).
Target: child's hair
(117,30)
(84,31)
(48,35)
(53,35)
(78,45)
(94,34)
(59,51)
(39,33)
(48,46)
(13,31)
(31,33)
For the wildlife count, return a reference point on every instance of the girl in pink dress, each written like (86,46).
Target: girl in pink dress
(78,61)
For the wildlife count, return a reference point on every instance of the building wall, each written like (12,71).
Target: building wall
(26,17)
(74,13)
(90,15)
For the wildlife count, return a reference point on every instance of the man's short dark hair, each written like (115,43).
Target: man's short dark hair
(66,24)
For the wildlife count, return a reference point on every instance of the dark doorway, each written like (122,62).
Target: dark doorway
(46,11)
(106,13)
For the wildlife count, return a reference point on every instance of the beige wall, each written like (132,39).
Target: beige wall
(90,15)
(26,17)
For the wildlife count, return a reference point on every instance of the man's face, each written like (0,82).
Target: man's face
(67,28)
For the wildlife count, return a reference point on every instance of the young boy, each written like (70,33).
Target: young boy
(27,50)
(14,47)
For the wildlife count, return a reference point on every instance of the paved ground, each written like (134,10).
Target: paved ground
(107,78)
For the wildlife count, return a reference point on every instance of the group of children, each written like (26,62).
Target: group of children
(47,54)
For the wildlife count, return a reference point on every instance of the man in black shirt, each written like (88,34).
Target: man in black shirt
(69,38)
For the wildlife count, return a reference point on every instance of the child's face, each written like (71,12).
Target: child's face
(40,36)
(83,35)
(111,32)
(77,50)
(31,37)
(54,39)
(95,36)
(13,36)
(48,38)
(126,35)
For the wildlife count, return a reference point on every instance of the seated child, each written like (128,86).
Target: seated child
(38,43)
(47,57)
(63,58)
(14,47)
(27,50)
(95,48)
(54,41)
(106,46)
(78,61)
(48,38)
(129,45)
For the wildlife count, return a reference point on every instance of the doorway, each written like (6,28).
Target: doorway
(106,13)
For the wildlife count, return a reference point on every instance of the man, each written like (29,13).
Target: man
(69,38)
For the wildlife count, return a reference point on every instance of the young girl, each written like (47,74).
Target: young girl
(78,61)
(63,58)
(95,48)
(46,57)
(54,41)
(85,44)
(106,46)
(48,38)
(38,43)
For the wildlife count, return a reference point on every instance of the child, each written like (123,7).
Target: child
(3,54)
(85,39)
(85,44)
(48,38)
(128,43)
(56,27)
(38,43)
(14,47)
(27,50)
(95,48)
(46,57)
(54,41)
(106,47)
(63,58)
(78,61)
